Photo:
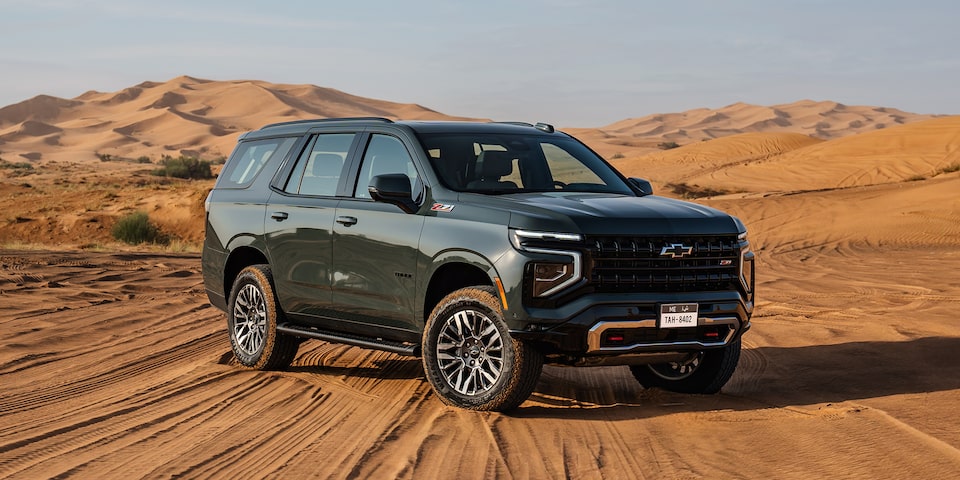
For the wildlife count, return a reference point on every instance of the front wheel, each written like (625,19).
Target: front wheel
(702,372)
(252,316)
(469,357)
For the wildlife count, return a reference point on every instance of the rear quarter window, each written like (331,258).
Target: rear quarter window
(249,159)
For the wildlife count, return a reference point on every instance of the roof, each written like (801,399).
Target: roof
(419,126)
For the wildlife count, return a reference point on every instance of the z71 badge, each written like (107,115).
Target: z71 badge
(439,207)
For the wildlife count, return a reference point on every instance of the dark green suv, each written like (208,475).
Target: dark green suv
(487,249)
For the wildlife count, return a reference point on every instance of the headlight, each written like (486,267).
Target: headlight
(549,277)
(521,238)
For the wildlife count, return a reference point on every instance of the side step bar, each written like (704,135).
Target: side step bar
(400,348)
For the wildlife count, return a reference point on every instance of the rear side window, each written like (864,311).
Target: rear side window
(319,167)
(248,160)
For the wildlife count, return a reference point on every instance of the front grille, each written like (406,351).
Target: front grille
(635,264)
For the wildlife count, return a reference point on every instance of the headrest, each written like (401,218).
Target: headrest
(494,164)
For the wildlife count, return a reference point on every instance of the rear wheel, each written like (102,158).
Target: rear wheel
(252,317)
(702,372)
(469,357)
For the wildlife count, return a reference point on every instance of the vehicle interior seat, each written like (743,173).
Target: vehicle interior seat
(491,166)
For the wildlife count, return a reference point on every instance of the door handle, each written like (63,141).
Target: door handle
(279,216)
(346,221)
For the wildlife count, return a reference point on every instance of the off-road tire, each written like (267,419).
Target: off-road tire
(252,324)
(714,369)
(469,357)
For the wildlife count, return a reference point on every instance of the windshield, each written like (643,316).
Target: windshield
(508,163)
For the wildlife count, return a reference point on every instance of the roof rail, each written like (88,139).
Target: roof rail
(322,120)
(544,127)
(519,124)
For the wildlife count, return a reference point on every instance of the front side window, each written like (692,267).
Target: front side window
(385,154)
(510,163)
(249,159)
(320,165)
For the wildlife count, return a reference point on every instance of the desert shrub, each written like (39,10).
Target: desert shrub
(916,178)
(694,191)
(15,165)
(668,145)
(17,169)
(184,167)
(136,228)
(104,157)
(955,167)
(617,156)
(144,159)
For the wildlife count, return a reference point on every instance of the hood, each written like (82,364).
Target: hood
(611,214)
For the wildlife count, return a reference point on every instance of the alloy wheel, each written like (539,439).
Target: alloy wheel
(470,352)
(677,370)
(250,319)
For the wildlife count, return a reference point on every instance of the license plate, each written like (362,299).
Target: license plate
(678,315)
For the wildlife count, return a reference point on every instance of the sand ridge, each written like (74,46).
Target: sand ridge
(825,120)
(115,365)
(182,116)
(199,117)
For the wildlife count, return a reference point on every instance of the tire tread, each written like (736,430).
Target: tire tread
(527,360)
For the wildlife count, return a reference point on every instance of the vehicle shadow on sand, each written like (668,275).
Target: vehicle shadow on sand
(767,377)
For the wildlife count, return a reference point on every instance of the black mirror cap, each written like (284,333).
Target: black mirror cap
(641,186)
(393,188)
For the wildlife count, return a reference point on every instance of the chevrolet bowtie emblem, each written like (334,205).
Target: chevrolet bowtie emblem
(675,250)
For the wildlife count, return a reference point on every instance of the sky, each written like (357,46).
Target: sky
(568,62)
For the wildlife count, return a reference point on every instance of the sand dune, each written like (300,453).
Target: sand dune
(824,120)
(208,116)
(907,152)
(678,164)
(184,115)
(921,214)
(819,119)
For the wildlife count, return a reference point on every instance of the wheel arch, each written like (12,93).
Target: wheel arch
(453,271)
(240,258)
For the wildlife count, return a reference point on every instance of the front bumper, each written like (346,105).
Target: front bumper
(612,329)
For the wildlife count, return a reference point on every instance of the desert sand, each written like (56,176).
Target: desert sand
(112,364)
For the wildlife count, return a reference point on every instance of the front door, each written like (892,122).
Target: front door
(375,248)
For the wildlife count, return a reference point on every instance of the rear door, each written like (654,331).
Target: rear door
(299,226)
(375,247)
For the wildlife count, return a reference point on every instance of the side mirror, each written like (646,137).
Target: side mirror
(642,186)
(393,188)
